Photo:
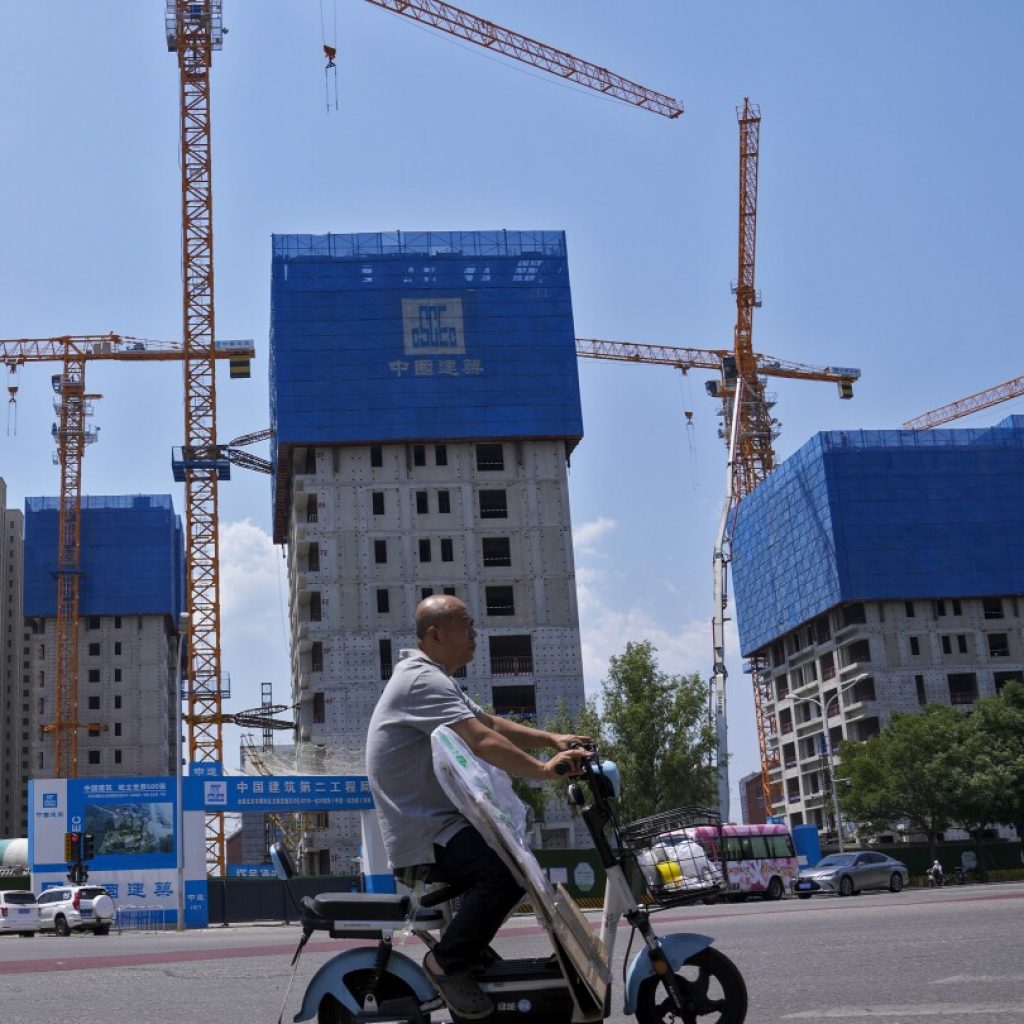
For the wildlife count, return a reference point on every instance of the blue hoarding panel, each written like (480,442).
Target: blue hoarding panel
(880,515)
(132,556)
(279,793)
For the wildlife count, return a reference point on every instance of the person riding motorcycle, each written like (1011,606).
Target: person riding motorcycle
(936,875)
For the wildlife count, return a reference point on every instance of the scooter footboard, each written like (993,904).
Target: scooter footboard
(330,980)
(678,948)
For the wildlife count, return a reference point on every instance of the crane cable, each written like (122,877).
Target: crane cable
(330,52)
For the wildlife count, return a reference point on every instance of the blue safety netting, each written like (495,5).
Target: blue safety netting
(880,515)
(132,556)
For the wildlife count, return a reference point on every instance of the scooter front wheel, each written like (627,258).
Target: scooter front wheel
(358,983)
(713,993)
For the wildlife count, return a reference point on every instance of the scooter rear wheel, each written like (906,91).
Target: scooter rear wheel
(332,1012)
(713,989)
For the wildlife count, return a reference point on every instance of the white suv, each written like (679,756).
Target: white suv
(18,912)
(69,908)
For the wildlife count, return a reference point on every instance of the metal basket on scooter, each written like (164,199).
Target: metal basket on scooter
(671,867)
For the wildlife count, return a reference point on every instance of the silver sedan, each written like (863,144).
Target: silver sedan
(848,873)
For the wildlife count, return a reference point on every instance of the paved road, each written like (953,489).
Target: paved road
(953,955)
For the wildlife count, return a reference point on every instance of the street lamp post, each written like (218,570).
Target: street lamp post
(829,759)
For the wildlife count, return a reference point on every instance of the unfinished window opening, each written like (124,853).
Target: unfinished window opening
(515,701)
(963,687)
(999,645)
(500,600)
(957,607)
(94,650)
(444,502)
(313,558)
(380,551)
(992,607)
(426,592)
(311,508)
(939,608)
(376,456)
(961,643)
(853,614)
(315,610)
(915,646)
(908,608)
(384,656)
(424,549)
(493,505)
(419,454)
(383,601)
(490,457)
(859,650)
(447,550)
(319,709)
(922,698)
(309,464)
(496,551)
(511,655)
(377,501)
(822,632)
(440,455)
(422,507)
(947,644)
(316,657)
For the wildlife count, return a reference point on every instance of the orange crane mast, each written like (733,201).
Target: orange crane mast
(72,436)
(965,406)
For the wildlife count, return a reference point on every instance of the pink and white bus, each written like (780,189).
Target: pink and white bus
(753,859)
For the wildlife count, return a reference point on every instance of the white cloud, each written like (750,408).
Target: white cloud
(586,534)
(253,614)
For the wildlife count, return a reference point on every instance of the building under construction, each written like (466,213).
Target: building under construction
(15,695)
(425,398)
(877,571)
(131,596)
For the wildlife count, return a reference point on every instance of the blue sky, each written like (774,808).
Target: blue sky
(888,238)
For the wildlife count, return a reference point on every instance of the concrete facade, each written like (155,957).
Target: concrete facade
(864,660)
(15,696)
(126,683)
(375,528)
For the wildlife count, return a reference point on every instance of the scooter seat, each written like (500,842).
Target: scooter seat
(364,911)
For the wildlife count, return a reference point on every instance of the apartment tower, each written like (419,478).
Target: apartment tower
(877,571)
(425,399)
(15,708)
(130,598)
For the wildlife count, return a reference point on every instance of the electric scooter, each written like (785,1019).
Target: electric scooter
(678,977)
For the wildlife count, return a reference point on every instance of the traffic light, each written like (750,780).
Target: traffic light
(87,846)
(72,846)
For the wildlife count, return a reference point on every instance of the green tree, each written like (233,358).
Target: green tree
(988,765)
(903,773)
(656,729)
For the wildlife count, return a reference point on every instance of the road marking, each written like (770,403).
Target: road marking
(973,979)
(964,1011)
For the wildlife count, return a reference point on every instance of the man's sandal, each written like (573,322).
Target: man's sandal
(459,990)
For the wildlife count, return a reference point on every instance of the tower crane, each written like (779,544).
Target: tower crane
(194,30)
(749,431)
(72,435)
(965,406)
